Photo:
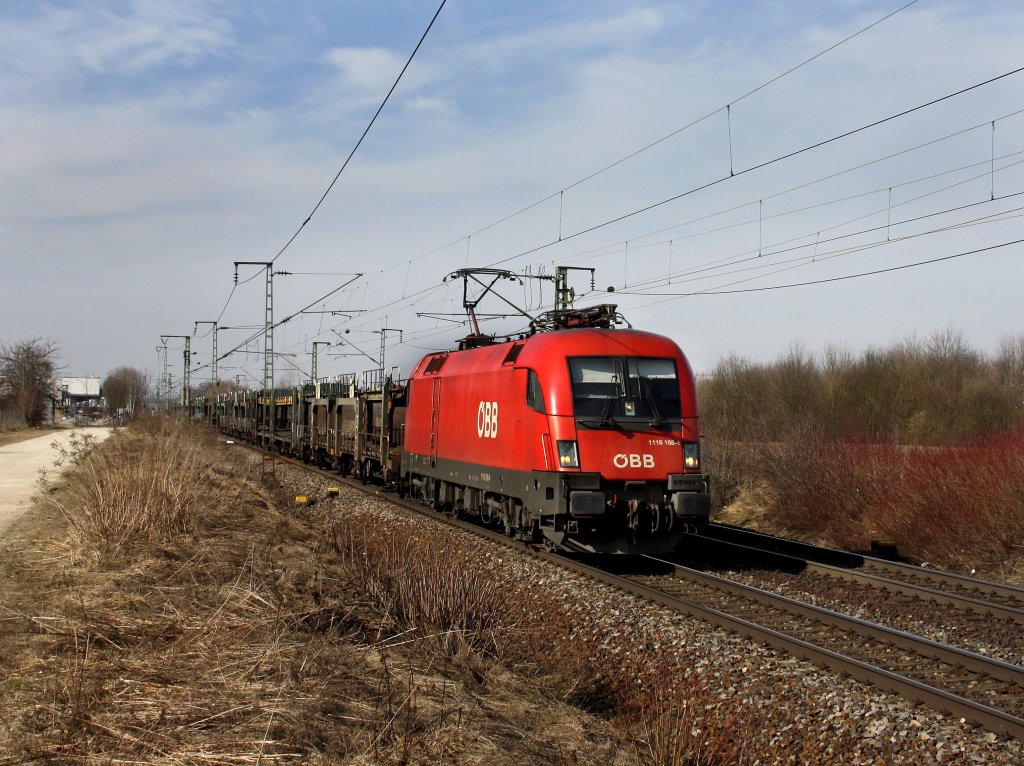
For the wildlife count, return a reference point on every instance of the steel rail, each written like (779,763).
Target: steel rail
(881,582)
(847,559)
(990,718)
(951,655)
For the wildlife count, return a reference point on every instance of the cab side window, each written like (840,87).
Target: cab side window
(534,393)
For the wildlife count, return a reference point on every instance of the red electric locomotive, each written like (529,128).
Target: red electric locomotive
(586,439)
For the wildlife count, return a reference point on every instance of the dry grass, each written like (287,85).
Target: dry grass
(237,634)
(425,586)
(675,722)
(197,623)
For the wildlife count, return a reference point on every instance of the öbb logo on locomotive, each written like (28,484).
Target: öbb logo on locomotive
(633,460)
(487,420)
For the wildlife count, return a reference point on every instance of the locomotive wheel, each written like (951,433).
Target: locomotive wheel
(655,515)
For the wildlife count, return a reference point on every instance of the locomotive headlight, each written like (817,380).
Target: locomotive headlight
(568,454)
(691,454)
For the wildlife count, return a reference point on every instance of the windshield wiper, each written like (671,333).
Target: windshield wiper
(613,394)
(645,385)
(608,422)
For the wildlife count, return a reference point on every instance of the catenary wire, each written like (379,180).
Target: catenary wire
(648,146)
(351,154)
(820,257)
(843,277)
(777,159)
(752,253)
(689,125)
(613,247)
(363,136)
(758,166)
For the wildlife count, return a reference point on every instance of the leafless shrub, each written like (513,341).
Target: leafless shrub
(426,586)
(676,721)
(898,442)
(140,486)
(731,466)
(959,507)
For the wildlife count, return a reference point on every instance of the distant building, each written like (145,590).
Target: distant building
(75,392)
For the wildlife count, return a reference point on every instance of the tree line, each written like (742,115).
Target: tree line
(935,391)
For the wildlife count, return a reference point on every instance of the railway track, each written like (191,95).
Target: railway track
(999,599)
(993,600)
(979,689)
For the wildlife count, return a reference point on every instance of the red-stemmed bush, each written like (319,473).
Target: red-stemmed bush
(959,506)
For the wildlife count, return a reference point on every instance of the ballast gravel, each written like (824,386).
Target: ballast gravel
(982,634)
(832,719)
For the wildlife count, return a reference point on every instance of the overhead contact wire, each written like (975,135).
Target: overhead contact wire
(560,193)
(761,165)
(363,136)
(695,122)
(850,276)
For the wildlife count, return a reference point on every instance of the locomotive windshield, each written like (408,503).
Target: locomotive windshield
(610,389)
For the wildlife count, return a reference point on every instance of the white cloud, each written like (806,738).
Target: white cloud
(57,47)
(436,106)
(622,30)
(365,70)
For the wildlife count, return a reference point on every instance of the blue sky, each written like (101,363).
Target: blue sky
(146,146)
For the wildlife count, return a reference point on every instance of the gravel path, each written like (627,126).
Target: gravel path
(20,466)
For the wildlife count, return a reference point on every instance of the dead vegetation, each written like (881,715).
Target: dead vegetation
(142,487)
(918,443)
(187,619)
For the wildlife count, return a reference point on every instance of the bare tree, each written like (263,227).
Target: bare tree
(125,389)
(220,387)
(28,371)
